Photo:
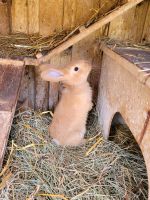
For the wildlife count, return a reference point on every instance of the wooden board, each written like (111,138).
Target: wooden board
(41,92)
(10,79)
(129,26)
(4,19)
(5,124)
(27,91)
(9,83)
(19,16)
(51,14)
(146,31)
(33,16)
(137,56)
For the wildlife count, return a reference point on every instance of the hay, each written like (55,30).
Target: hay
(38,169)
(21,45)
(113,43)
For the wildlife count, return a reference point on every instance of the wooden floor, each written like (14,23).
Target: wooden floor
(10,79)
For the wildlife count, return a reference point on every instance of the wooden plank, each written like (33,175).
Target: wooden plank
(89,30)
(129,26)
(54,87)
(31,87)
(146,31)
(139,21)
(51,16)
(84,10)
(5,124)
(19,16)
(121,28)
(4,18)
(6,61)
(23,101)
(69,14)
(41,92)
(10,77)
(132,68)
(27,92)
(33,16)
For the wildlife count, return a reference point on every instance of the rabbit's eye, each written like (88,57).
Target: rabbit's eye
(76,69)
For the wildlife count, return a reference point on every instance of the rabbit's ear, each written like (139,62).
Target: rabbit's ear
(52,75)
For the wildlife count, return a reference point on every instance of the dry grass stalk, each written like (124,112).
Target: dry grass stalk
(18,46)
(112,170)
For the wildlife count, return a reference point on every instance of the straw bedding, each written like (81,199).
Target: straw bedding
(18,46)
(35,168)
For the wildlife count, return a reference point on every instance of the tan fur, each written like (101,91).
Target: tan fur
(69,121)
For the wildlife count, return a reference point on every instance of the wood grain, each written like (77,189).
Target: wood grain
(146,31)
(129,26)
(19,16)
(51,14)
(41,92)
(33,16)
(69,16)
(139,21)
(4,18)
(10,79)
(121,28)
(5,124)
(23,100)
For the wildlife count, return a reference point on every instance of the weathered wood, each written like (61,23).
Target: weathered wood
(23,100)
(27,91)
(84,10)
(139,20)
(33,16)
(120,91)
(31,87)
(129,26)
(5,124)
(121,28)
(132,68)
(69,16)
(5,61)
(51,14)
(41,92)
(19,16)
(10,78)
(146,31)
(4,18)
(117,12)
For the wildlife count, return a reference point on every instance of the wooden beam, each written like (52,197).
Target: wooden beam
(6,61)
(10,79)
(87,31)
(129,66)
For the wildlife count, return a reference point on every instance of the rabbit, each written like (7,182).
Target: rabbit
(68,125)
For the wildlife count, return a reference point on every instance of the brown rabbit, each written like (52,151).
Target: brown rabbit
(69,121)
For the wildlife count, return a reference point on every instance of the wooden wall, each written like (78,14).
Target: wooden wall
(46,17)
(4,18)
